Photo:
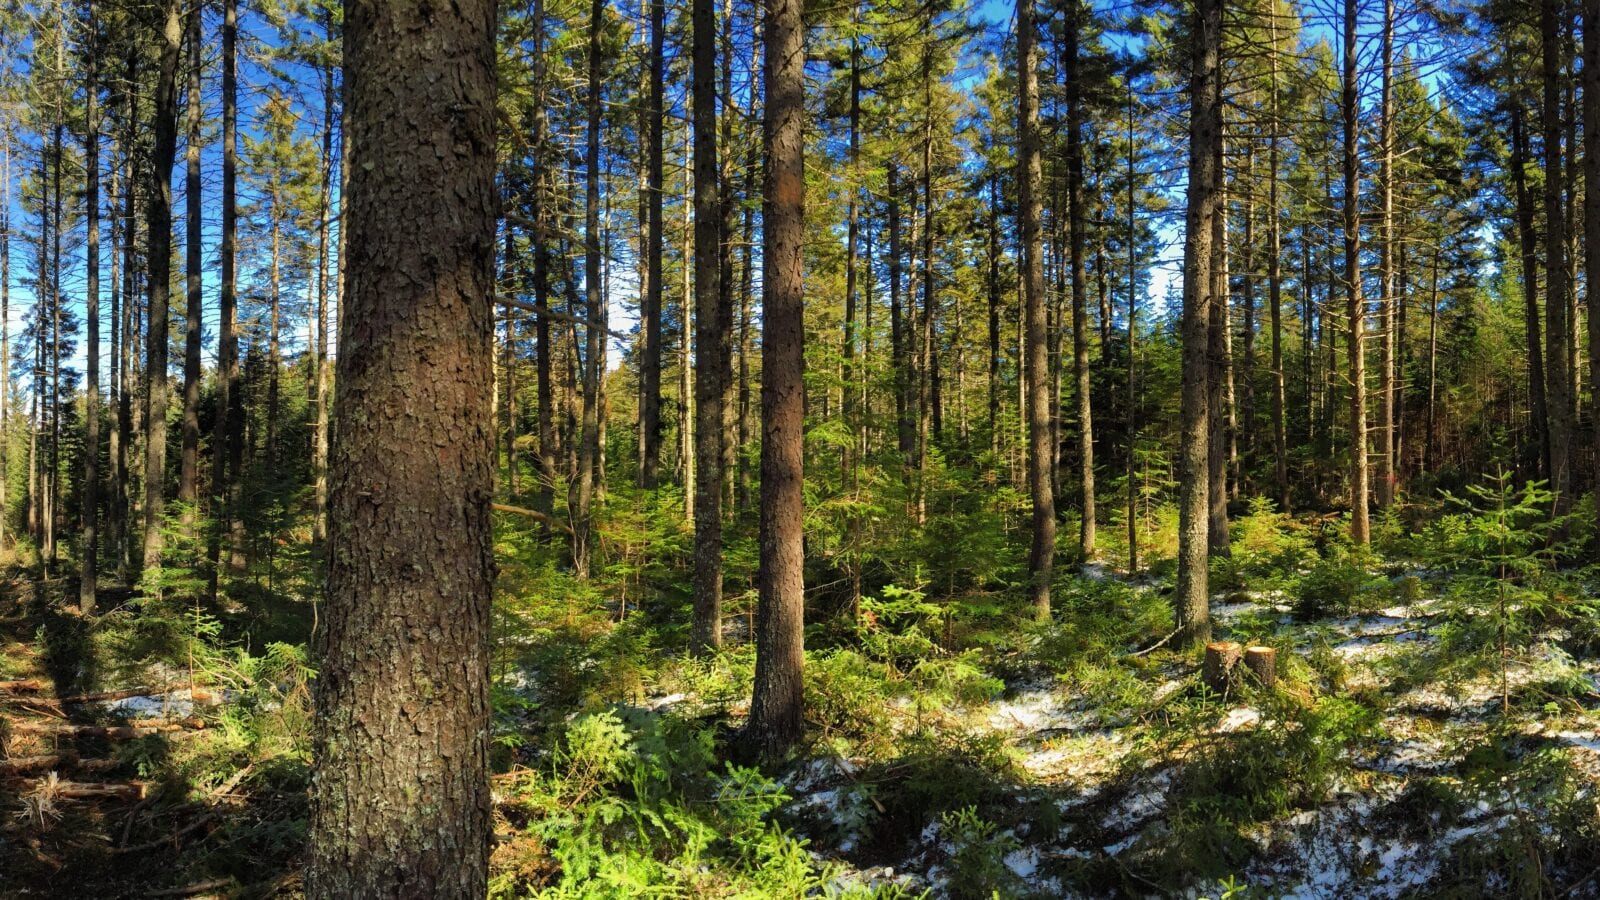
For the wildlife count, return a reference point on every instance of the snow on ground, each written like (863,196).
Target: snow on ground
(1356,843)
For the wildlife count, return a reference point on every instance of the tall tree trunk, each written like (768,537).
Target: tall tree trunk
(1591,213)
(189,468)
(1280,435)
(1355,304)
(1386,286)
(227,446)
(1080,301)
(159,260)
(1528,243)
(318,375)
(1220,355)
(544,347)
(994,317)
(777,706)
(650,313)
(122,476)
(1041,452)
(1558,388)
(1133,335)
(400,802)
(89,491)
(1205,181)
(709,358)
(589,441)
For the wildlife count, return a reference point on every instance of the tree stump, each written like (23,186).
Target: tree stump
(1220,659)
(1263,665)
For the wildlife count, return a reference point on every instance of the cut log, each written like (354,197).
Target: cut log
(1221,656)
(190,890)
(28,765)
(125,693)
(23,686)
(138,729)
(88,790)
(1263,665)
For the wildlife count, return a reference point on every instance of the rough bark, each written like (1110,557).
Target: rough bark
(1205,132)
(189,454)
(1080,315)
(709,391)
(159,260)
(1041,450)
(777,707)
(650,311)
(1355,303)
(89,491)
(1558,332)
(1591,215)
(400,796)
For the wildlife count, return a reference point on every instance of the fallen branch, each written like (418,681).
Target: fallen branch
(535,515)
(172,838)
(1156,646)
(189,890)
(86,790)
(144,728)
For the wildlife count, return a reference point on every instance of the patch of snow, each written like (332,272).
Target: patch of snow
(1240,719)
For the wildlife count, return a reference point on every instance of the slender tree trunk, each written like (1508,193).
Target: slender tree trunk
(400,801)
(318,374)
(1133,335)
(589,442)
(1433,365)
(1205,181)
(1528,242)
(1591,213)
(709,390)
(650,314)
(544,347)
(159,260)
(1559,381)
(1355,306)
(777,707)
(189,467)
(1041,453)
(1220,403)
(994,317)
(1387,482)
(1080,301)
(89,491)
(228,439)
(1280,435)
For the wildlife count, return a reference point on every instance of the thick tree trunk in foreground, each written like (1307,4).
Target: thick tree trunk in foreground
(777,708)
(1041,449)
(401,804)
(1205,181)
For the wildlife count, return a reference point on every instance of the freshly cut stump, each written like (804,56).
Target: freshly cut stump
(1263,664)
(1221,656)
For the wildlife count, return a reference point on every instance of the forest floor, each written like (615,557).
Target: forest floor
(100,794)
(1430,736)
(1378,770)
